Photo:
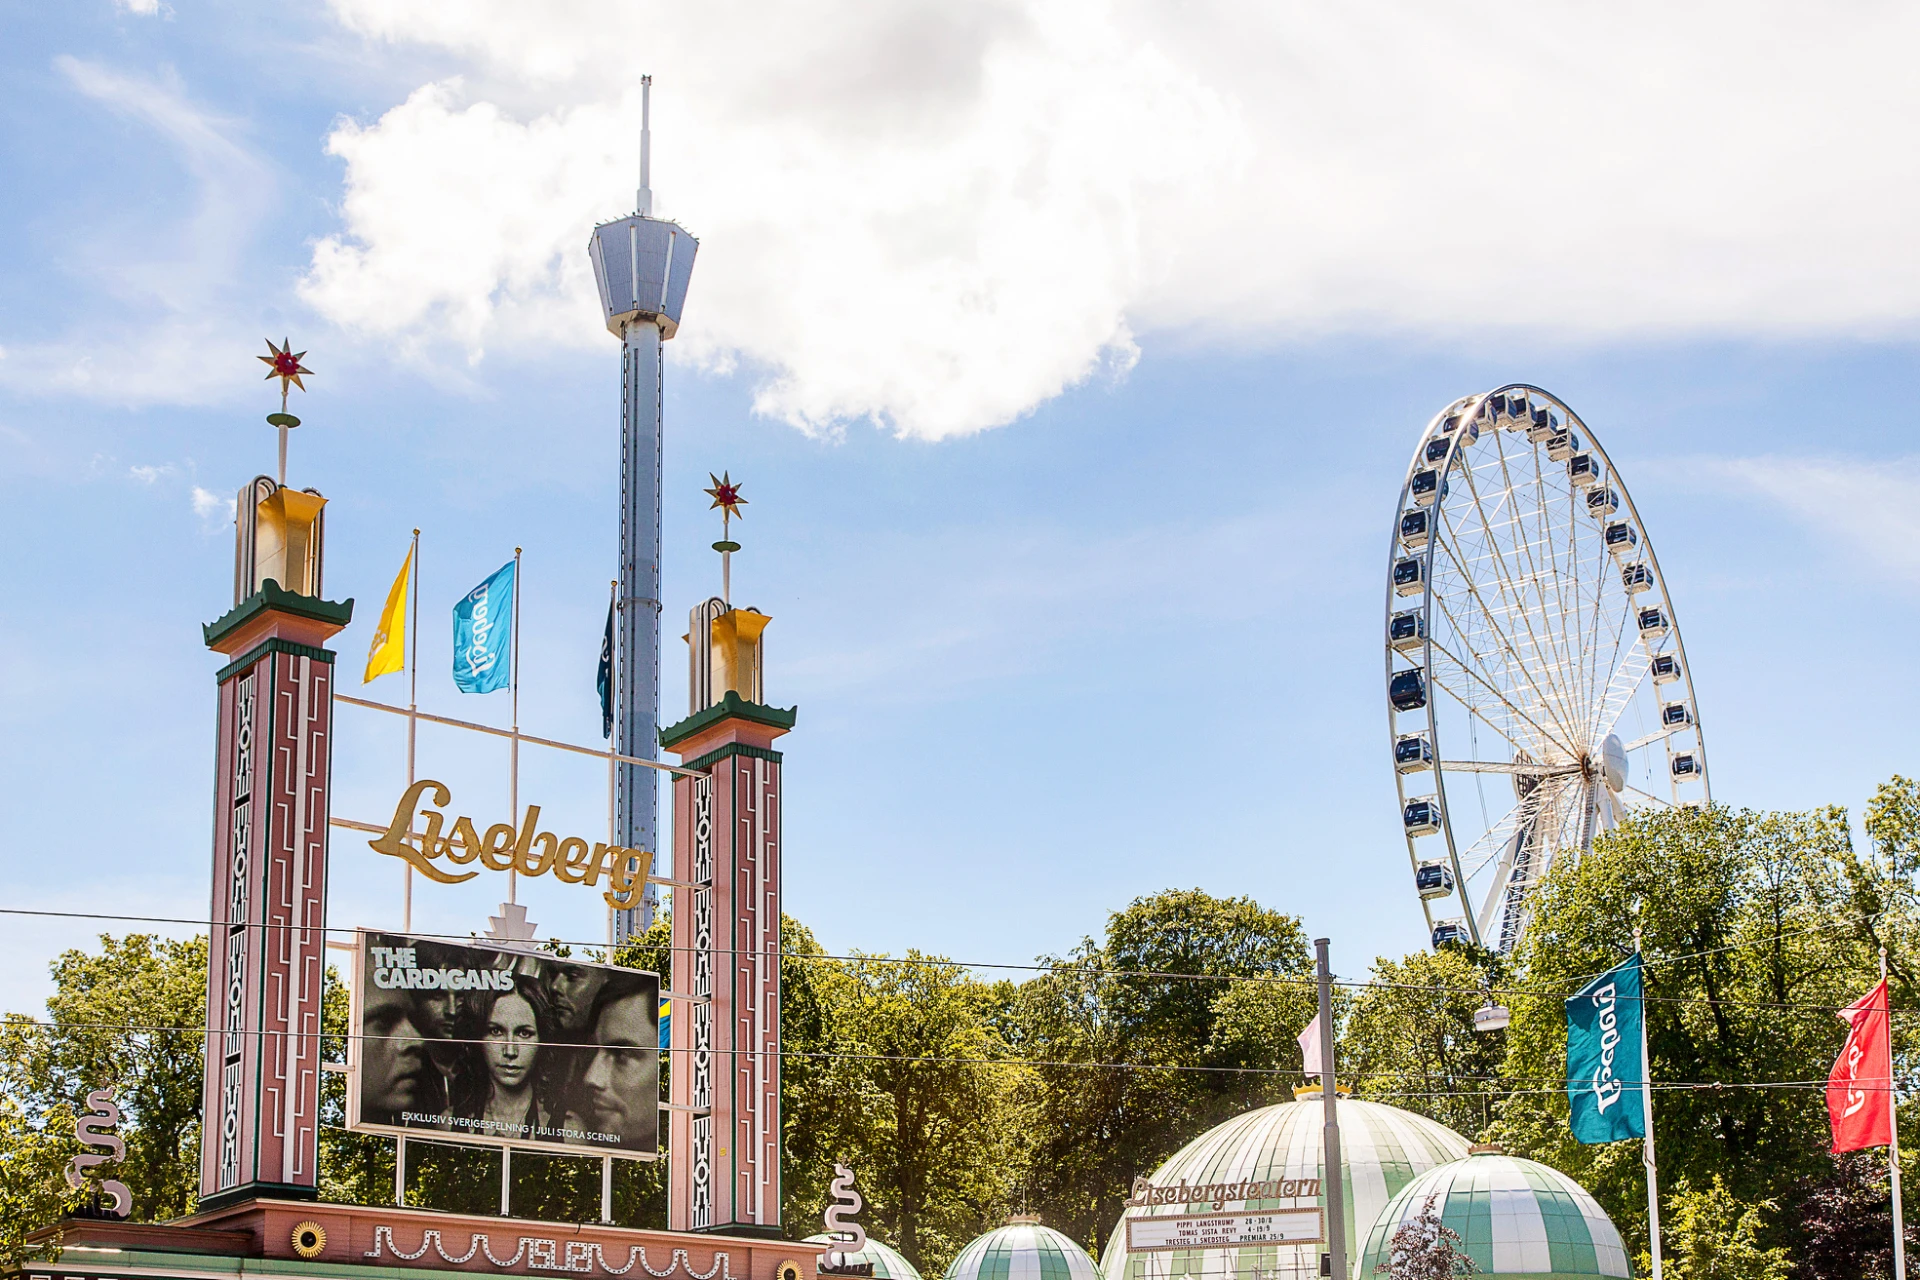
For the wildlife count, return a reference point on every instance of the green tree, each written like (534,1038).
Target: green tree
(917,1100)
(1751,941)
(1408,1038)
(1089,1128)
(126,1017)
(1710,1235)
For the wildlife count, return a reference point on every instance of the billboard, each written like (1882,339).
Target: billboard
(465,1042)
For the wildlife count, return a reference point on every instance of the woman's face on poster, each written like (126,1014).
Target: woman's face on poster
(513,1042)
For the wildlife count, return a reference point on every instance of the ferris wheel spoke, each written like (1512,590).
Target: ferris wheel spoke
(1499,766)
(1514,603)
(1514,662)
(1523,832)
(1627,679)
(1526,543)
(1648,796)
(1656,736)
(1547,736)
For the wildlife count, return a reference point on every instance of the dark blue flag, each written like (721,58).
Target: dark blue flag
(604,681)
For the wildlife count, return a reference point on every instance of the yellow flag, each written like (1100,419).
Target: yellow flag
(389,652)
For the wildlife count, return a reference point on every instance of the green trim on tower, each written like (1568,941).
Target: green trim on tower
(730,750)
(730,707)
(273,596)
(265,647)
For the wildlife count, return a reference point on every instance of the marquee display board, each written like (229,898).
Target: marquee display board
(1226,1230)
(462,1042)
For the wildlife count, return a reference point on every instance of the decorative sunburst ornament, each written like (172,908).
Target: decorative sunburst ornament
(726,496)
(285,365)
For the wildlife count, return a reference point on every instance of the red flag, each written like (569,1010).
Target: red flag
(1860,1090)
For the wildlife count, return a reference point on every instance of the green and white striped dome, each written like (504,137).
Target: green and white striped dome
(887,1262)
(1022,1250)
(1382,1149)
(1520,1220)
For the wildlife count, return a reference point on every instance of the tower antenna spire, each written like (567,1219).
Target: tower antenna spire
(643,199)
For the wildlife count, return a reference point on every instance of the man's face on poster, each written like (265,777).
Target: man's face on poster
(393,1061)
(571,992)
(617,1079)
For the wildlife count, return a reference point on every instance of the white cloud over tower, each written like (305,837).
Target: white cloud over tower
(939,216)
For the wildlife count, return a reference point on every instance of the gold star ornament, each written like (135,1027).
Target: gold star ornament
(726,495)
(284,364)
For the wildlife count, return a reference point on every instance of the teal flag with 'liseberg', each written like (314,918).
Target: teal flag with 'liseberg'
(1605,1074)
(483,634)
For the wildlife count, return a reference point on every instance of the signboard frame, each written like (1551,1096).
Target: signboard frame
(356,1051)
(1318,1211)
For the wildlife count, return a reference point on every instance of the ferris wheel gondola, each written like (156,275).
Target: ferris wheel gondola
(1537,687)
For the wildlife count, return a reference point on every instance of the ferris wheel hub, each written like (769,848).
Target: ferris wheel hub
(1613,763)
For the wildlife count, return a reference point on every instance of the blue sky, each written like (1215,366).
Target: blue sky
(1071,425)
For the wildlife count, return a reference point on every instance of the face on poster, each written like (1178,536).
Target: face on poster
(464,1042)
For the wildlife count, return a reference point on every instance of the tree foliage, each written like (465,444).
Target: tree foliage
(1710,1235)
(1752,939)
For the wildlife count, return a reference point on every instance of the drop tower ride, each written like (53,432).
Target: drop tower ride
(642,265)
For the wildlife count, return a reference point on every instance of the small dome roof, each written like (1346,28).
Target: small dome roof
(1023,1250)
(887,1262)
(1274,1154)
(1520,1220)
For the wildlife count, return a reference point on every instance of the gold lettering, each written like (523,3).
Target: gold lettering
(464,841)
(496,852)
(570,864)
(521,846)
(603,859)
(629,879)
(395,843)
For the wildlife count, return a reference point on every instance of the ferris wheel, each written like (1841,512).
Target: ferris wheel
(1537,689)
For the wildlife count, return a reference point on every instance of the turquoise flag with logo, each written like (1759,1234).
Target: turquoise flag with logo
(483,634)
(1605,1073)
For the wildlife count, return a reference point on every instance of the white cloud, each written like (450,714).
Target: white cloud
(145,8)
(938,216)
(149,474)
(1865,507)
(212,506)
(168,330)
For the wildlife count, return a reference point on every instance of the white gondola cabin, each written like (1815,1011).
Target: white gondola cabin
(1675,715)
(1451,933)
(1686,765)
(1413,528)
(1407,631)
(1665,668)
(1407,690)
(1433,880)
(1636,577)
(1409,576)
(1620,538)
(1427,487)
(1422,817)
(1653,624)
(1584,470)
(1602,503)
(1412,753)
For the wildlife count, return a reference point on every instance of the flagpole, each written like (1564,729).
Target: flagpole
(1893,1137)
(413,709)
(513,765)
(1646,1111)
(613,673)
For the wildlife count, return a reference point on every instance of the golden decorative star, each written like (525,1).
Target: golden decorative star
(725,494)
(285,365)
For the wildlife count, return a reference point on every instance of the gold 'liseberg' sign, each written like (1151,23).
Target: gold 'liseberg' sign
(503,848)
